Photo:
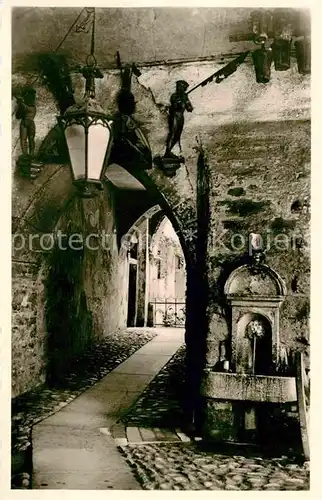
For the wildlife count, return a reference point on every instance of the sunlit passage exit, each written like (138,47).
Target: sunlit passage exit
(156,275)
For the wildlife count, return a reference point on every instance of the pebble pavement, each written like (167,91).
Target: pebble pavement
(187,466)
(34,406)
(159,405)
(166,466)
(156,465)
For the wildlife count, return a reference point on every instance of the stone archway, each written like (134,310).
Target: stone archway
(174,197)
(50,204)
(46,204)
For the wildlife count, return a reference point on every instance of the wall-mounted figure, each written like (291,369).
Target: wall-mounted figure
(179,103)
(258,333)
(90,72)
(125,97)
(26,112)
(131,145)
(169,163)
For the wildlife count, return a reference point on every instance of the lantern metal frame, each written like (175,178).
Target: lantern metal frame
(86,118)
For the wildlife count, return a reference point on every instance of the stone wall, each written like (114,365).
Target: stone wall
(76,298)
(260,183)
(143,273)
(28,338)
(83,293)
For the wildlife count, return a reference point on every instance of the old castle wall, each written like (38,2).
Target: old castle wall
(257,142)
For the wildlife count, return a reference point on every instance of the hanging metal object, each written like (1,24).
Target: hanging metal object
(303,55)
(84,26)
(88,133)
(282,54)
(262,59)
(261,25)
(282,42)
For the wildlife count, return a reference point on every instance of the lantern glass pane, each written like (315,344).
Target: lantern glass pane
(98,140)
(75,137)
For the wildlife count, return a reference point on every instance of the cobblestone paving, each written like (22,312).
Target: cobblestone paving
(97,362)
(187,467)
(160,405)
(173,466)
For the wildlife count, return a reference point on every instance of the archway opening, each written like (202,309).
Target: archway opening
(167,278)
(156,272)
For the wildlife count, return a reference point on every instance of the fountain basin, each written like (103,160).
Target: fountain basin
(245,387)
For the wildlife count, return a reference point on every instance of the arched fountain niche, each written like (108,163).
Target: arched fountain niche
(255,295)
(254,353)
(242,392)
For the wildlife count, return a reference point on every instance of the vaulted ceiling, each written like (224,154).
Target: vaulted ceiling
(143,35)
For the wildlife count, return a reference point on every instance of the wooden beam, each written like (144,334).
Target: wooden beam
(300,388)
(242,37)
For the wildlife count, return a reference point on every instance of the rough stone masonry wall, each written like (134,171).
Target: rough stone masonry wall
(61,299)
(28,337)
(165,250)
(83,292)
(260,182)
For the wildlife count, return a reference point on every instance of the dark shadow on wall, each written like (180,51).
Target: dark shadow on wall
(69,322)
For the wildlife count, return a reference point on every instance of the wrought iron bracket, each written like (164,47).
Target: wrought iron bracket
(168,164)
(29,166)
(88,190)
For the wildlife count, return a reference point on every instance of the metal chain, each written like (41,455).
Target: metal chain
(93,34)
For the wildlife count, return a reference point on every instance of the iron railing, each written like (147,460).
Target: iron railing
(168,312)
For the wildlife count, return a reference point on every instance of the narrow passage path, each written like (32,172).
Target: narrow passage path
(73,448)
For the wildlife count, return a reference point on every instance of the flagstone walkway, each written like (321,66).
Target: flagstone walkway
(74,448)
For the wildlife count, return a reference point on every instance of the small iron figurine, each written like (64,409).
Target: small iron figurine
(125,97)
(26,113)
(179,103)
(90,72)
(133,146)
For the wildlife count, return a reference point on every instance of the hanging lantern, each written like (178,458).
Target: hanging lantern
(262,59)
(303,55)
(88,132)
